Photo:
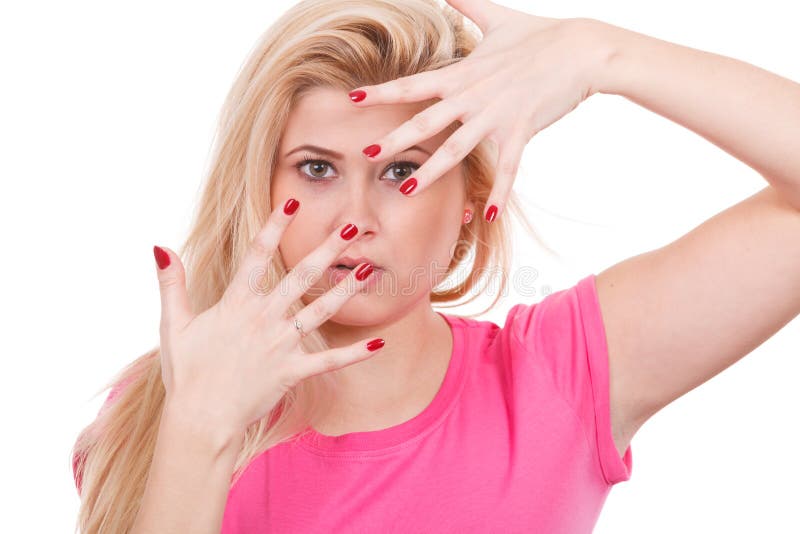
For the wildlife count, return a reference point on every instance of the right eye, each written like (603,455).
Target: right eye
(315,165)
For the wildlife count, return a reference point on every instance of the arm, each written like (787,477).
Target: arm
(189,478)
(679,315)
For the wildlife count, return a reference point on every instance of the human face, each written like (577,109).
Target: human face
(411,239)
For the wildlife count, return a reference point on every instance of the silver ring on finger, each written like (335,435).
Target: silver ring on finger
(299,326)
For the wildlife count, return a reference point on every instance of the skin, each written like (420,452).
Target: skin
(411,238)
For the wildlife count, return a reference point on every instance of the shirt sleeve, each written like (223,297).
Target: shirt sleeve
(566,332)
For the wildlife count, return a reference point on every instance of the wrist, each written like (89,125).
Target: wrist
(205,432)
(607,44)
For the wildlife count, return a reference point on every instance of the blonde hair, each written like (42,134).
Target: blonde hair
(342,44)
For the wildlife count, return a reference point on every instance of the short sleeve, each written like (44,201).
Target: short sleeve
(565,332)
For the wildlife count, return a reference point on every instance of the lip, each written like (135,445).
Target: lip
(354,262)
(335,275)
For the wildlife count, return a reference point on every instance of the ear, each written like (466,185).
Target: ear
(471,207)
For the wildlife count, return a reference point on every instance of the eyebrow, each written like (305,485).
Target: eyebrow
(338,155)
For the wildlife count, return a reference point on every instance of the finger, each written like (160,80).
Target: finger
(176,311)
(249,278)
(330,360)
(424,125)
(448,155)
(326,306)
(486,15)
(311,268)
(508,160)
(421,86)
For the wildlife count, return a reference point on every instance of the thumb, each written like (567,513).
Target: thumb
(484,13)
(175,309)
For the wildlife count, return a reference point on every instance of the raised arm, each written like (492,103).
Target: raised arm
(679,315)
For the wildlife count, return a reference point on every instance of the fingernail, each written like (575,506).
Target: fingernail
(162,258)
(348,232)
(372,150)
(357,96)
(375,344)
(492,213)
(290,206)
(408,186)
(363,271)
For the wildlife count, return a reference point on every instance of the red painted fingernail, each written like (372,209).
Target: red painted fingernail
(290,206)
(357,96)
(363,271)
(492,213)
(375,344)
(408,186)
(372,150)
(162,258)
(349,231)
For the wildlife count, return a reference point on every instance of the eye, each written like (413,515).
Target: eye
(317,169)
(315,166)
(399,177)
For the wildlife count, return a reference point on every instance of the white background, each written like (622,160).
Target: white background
(106,117)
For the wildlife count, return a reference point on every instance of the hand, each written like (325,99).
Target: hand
(230,365)
(526,73)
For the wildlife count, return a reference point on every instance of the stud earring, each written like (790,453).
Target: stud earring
(467,216)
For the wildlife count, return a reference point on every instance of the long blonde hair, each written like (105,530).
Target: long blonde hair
(334,43)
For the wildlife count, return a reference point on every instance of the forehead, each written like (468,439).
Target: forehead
(329,117)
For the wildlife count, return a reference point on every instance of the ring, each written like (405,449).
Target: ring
(299,326)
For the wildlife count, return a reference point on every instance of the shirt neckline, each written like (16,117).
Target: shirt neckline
(396,437)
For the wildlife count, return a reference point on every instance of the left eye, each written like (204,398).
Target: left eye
(317,166)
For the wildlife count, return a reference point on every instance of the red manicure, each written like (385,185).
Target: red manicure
(363,272)
(492,213)
(290,206)
(348,232)
(375,344)
(372,150)
(162,258)
(408,186)
(357,96)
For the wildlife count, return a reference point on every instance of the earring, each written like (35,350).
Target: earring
(467,216)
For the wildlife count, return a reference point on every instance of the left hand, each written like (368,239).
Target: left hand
(525,74)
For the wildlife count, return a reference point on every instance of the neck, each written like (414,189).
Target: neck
(397,383)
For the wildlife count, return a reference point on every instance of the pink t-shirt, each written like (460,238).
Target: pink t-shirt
(517,439)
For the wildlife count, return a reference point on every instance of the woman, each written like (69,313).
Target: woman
(330,400)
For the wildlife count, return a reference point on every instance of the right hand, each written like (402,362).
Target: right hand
(231,364)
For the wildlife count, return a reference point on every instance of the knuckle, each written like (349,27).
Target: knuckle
(167,281)
(508,168)
(322,310)
(452,147)
(329,361)
(421,122)
(298,276)
(289,333)
(261,245)
(404,88)
(258,282)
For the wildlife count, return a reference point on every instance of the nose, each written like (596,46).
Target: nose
(361,205)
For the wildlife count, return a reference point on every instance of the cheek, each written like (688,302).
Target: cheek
(294,241)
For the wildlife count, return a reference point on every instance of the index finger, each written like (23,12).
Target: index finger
(311,268)
(249,277)
(414,88)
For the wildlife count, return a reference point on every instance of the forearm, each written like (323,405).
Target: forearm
(189,478)
(751,113)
